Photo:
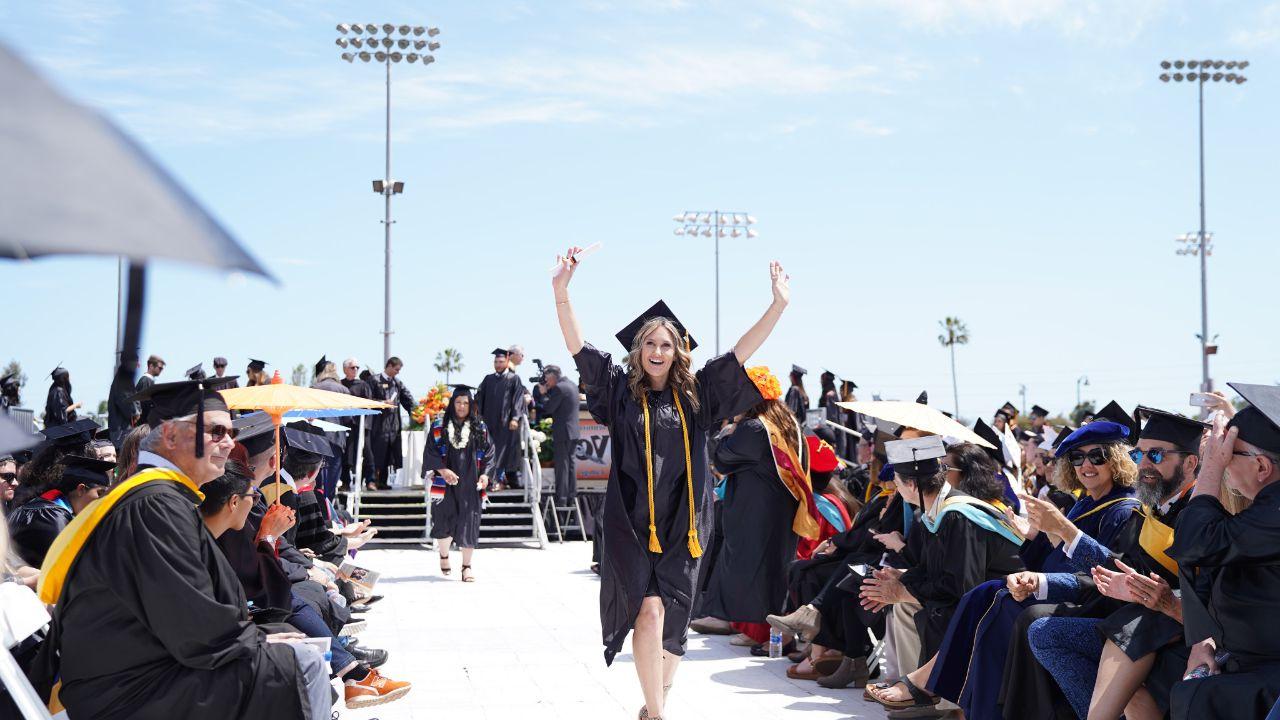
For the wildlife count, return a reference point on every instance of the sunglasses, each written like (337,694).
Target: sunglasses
(217,432)
(1156,456)
(1096,457)
(9,477)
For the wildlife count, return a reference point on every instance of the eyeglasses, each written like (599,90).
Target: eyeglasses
(1248,454)
(1096,457)
(1156,456)
(217,432)
(254,493)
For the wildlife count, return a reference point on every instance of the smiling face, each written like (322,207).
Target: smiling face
(1095,478)
(658,353)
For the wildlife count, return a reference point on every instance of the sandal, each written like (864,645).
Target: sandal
(866,691)
(467,576)
(919,698)
(795,673)
(445,568)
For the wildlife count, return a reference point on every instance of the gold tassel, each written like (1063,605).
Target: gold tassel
(654,545)
(695,547)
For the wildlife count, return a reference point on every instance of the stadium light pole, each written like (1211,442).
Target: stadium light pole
(1201,72)
(362,42)
(716,224)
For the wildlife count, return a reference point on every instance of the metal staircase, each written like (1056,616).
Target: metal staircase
(399,515)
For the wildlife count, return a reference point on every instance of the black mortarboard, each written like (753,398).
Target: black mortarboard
(1116,414)
(627,335)
(1009,409)
(1258,424)
(923,398)
(499,352)
(462,387)
(71,434)
(1183,432)
(257,365)
(256,432)
(196,373)
(1037,411)
(183,398)
(306,437)
(848,385)
(87,470)
(1062,435)
(988,433)
(796,369)
(324,360)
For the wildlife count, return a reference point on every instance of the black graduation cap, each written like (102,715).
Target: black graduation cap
(923,398)
(306,437)
(257,365)
(1258,424)
(499,352)
(87,470)
(1062,435)
(627,335)
(1009,410)
(196,373)
(1037,411)
(256,432)
(1183,432)
(799,370)
(72,434)
(324,360)
(1116,414)
(988,433)
(462,387)
(183,398)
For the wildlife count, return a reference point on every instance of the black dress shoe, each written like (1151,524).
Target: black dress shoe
(762,650)
(357,609)
(373,657)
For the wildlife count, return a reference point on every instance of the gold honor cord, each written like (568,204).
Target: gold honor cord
(695,548)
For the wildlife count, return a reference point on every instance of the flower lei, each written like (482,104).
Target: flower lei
(459,438)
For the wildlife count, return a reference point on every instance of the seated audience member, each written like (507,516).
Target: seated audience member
(34,524)
(150,619)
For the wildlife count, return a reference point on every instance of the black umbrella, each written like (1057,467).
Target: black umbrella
(74,184)
(14,439)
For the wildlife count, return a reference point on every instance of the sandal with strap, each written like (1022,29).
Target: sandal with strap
(467,576)
(919,698)
(445,568)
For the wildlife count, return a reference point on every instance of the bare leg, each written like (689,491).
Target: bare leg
(646,648)
(1142,707)
(467,574)
(1118,679)
(918,677)
(466,555)
(669,664)
(442,548)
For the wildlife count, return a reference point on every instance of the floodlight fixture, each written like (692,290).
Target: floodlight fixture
(341,42)
(411,57)
(365,56)
(404,29)
(432,32)
(343,28)
(348,57)
(380,56)
(388,28)
(396,56)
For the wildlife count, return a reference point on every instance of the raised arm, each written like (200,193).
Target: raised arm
(567,264)
(755,337)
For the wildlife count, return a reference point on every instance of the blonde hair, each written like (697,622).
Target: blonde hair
(681,378)
(1124,473)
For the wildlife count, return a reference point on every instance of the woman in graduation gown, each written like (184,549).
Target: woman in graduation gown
(34,524)
(658,500)
(459,450)
(59,408)
(768,504)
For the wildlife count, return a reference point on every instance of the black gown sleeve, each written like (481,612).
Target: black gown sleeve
(741,449)
(957,562)
(33,529)
(1207,535)
(489,460)
(432,458)
(725,390)
(406,398)
(598,379)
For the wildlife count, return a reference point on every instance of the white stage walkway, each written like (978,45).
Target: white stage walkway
(523,643)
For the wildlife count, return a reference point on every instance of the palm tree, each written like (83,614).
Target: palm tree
(300,375)
(448,361)
(954,333)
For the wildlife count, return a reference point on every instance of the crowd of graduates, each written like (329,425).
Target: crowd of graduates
(1123,568)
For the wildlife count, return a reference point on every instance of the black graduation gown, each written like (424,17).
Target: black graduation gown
(152,623)
(263,578)
(750,576)
(55,407)
(313,529)
(457,514)
(500,399)
(797,404)
(953,560)
(805,578)
(1241,555)
(32,527)
(628,571)
(385,435)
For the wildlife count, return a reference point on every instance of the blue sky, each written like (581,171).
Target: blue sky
(1015,163)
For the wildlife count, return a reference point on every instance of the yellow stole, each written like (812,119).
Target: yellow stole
(67,546)
(1100,508)
(1155,539)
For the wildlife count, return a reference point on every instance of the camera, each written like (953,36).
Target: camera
(537,379)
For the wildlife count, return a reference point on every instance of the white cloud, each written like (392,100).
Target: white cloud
(866,127)
(1263,31)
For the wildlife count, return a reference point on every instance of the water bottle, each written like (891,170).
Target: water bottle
(775,642)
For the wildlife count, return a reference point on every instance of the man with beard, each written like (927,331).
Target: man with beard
(1167,455)
(500,399)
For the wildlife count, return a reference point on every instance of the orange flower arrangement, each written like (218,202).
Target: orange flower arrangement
(766,382)
(431,404)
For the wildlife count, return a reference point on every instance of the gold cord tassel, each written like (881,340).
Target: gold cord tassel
(695,548)
(654,545)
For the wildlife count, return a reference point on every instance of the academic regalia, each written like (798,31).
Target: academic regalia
(34,524)
(144,403)
(500,399)
(358,388)
(750,579)
(263,578)
(162,628)
(313,529)
(457,514)
(629,571)
(385,435)
(971,659)
(797,403)
(560,404)
(58,400)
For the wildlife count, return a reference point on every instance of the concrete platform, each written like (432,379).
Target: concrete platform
(523,643)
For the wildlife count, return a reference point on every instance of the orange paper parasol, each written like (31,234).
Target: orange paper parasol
(278,398)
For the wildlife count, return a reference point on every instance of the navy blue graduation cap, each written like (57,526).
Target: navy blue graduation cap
(306,437)
(1183,432)
(71,434)
(86,470)
(1258,424)
(627,335)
